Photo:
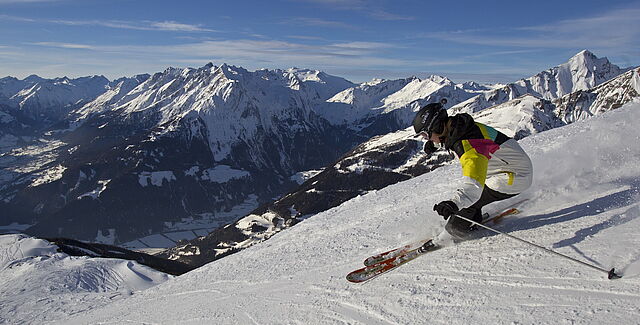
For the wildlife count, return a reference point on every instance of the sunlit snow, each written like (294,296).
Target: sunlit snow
(584,203)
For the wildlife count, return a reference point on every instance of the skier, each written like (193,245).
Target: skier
(494,166)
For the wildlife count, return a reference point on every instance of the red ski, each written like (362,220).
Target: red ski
(404,249)
(389,260)
(369,272)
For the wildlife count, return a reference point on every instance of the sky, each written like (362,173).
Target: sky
(483,41)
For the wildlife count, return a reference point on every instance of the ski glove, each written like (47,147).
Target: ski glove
(445,209)
(430,148)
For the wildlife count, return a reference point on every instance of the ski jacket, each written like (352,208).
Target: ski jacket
(488,158)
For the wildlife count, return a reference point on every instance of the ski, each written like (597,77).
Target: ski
(375,259)
(369,272)
(387,261)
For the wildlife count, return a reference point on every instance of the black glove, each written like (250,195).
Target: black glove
(430,148)
(445,209)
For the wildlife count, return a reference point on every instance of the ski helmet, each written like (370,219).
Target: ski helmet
(430,118)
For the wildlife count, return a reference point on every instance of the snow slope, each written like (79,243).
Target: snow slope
(38,284)
(584,203)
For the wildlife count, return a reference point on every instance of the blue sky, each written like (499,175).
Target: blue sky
(485,41)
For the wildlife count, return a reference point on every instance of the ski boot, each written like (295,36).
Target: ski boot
(460,228)
(427,247)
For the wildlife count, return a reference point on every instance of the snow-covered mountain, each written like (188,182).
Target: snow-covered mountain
(34,104)
(383,106)
(583,71)
(609,95)
(583,203)
(221,139)
(51,99)
(156,159)
(117,89)
(394,157)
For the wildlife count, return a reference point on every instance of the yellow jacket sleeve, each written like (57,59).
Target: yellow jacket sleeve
(474,169)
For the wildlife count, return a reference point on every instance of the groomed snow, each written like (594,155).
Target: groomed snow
(584,203)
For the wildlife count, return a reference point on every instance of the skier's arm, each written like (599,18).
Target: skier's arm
(474,171)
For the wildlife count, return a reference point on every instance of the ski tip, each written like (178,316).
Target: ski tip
(612,274)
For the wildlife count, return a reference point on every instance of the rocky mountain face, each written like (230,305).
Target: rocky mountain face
(397,156)
(194,150)
(609,95)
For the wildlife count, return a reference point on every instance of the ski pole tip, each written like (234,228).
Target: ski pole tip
(613,275)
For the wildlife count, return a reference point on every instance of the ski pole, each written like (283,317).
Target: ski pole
(610,273)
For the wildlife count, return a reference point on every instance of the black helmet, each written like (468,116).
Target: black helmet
(431,118)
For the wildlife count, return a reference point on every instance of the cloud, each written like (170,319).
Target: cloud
(364,46)
(145,25)
(20,19)
(317,22)
(64,45)
(174,26)
(373,10)
(288,53)
(358,61)
(306,37)
(614,29)
(246,52)
(383,15)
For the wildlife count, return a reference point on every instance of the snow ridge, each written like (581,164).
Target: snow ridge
(38,284)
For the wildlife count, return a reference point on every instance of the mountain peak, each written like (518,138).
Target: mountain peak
(588,59)
(33,78)
(585,53)
(583,71)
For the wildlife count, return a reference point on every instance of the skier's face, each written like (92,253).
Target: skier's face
(432,136)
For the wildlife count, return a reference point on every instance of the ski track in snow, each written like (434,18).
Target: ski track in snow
(584,203)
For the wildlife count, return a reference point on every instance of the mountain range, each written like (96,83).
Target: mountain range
(207,150)
(398,156)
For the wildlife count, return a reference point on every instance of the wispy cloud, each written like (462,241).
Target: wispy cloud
(20,19)
(143,25)
(318,22)
(117,24)
(365,46)
(305,37)
(64,45)
(613,29)
(175,26)
(384,15)
(360,60)
(369,8)
(248,52)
